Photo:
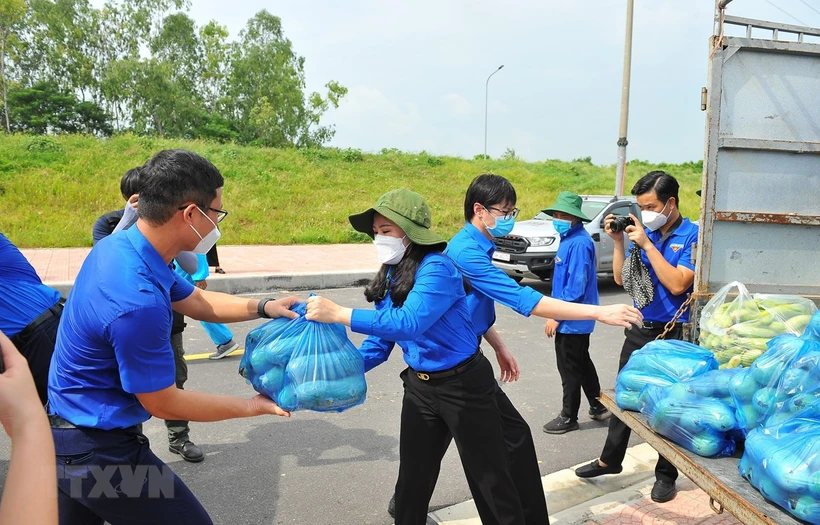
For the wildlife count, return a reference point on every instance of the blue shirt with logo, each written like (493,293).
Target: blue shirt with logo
(432,327)
(472,253)
(575,279)
(23,296)
(677,250)
(114,335)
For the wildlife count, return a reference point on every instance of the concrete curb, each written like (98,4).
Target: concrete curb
(271,282)
(569,496)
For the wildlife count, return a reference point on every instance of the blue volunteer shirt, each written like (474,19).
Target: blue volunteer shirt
(472,253)
(432,327)
(114,336)
(574,279)
(677,250)
(23,296)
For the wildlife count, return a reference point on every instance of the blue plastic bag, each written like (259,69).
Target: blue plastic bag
(267,332)
(782,381)
(303,364)
(783,463)
(696,413)
(660,363)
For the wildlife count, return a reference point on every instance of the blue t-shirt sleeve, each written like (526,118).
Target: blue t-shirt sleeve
(145,358)
(432,295)
(375,351)
(181,288)
(495,284)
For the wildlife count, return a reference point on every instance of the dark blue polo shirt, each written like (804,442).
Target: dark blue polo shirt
(23,296)
(677,250)
(114,340)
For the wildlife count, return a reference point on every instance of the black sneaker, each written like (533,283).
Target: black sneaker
(594,469)
(599,413)
(561,425)
(188,451)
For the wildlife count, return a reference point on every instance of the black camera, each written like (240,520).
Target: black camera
(620,223)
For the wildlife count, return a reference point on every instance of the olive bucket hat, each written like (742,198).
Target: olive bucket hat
(569,203)
(408,210)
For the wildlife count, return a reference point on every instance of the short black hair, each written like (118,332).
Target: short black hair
(488,190)
(130,182)
(663,184)
(172,178)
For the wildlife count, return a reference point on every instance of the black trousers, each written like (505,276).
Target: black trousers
(617,439)
(212,257)
(38,349)
(494,443)
(577,372)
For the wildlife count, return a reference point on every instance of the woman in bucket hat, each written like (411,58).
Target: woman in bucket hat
(575,281)
(449,386)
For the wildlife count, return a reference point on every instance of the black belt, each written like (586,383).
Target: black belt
(657,325)
(459,368)
(23,336)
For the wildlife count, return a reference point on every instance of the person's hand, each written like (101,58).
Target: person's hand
(202,285)
(616,236)
(19,403)
(281,307)
(637,234)
(324,310)
(619,315)
(263,405)
(134,200)
(551,327)
(507,364)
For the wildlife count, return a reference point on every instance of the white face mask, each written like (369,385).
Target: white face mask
(654,220)
(207,242)
(390,250)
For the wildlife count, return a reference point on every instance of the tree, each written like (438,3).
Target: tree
(44,108)
(11,14)
(267,85)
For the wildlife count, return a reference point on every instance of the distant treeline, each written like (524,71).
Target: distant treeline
(143,66)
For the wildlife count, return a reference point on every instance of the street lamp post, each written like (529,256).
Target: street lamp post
(486,95)
(622,142)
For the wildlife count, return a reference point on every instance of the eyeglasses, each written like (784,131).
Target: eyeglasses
(220,214)
(504,214)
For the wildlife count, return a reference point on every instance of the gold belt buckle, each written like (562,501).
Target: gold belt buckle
(422,376)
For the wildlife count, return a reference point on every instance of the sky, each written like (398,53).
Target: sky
(416,71)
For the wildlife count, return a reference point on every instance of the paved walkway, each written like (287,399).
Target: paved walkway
(622,499)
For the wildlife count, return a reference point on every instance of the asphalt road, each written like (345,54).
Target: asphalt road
(340,468)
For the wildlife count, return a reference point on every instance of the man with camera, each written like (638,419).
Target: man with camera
(658,274)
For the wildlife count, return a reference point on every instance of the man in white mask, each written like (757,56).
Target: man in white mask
(658,273)
(113,365)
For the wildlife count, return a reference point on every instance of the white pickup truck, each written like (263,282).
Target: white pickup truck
(529,250)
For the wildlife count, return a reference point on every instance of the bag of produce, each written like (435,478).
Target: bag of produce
(783,463)
(265,333)
(303,364)
(781,381)
(696,413)
(737,326)
(659,363)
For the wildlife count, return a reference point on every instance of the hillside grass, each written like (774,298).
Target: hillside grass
(52,189)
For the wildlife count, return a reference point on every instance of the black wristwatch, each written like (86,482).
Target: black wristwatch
(260,308)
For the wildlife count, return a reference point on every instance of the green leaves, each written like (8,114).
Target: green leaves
(144,66)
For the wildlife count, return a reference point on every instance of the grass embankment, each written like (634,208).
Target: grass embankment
(53,189)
